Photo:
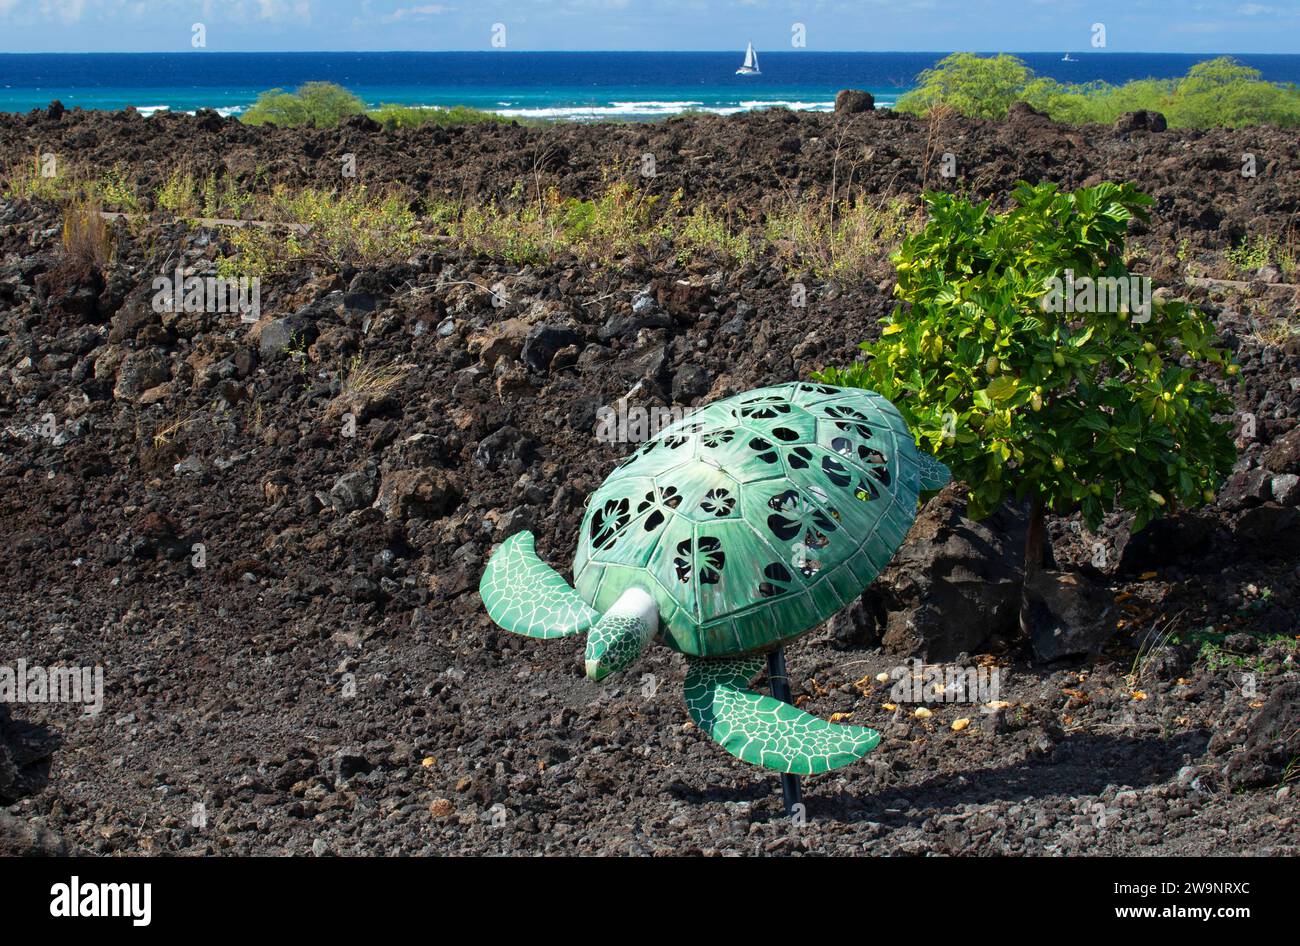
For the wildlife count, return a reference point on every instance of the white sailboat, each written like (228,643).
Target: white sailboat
(750,68)
(1068,58)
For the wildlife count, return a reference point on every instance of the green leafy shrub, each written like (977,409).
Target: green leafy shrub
(979,86)
(277,107)
(1224,92)
(1215,92)
(324,105)
(1069,410)
(320,104)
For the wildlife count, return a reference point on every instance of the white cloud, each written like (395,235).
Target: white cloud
(283,9)
(69,11)
(414,13)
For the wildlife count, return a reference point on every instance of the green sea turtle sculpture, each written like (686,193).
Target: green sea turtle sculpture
(735,530)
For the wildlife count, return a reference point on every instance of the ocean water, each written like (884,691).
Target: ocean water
(573,85)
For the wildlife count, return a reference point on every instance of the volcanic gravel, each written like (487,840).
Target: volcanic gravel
(325,681)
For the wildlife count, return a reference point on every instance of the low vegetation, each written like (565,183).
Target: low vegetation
(354,227)
(617,222)
(361,228)
(1217,92)
(405,116)
(707,231)
(1256,251)
(37,180)
(116,190)
(325,104)
(185,196)
(838,240)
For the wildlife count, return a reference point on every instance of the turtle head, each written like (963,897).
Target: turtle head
(619,637)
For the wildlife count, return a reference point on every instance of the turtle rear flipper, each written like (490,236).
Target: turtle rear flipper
(526,596)
(763,730)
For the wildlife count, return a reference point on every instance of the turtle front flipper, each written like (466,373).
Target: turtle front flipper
(934,475)
(526,596)
(763,730)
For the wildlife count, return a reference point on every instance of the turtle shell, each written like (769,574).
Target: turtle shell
(755,518)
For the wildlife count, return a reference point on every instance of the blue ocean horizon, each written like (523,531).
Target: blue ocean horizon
(564,85)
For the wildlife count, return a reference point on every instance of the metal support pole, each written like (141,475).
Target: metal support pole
(780,681)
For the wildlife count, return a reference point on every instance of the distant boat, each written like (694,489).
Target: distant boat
(1068,58)
(750,68)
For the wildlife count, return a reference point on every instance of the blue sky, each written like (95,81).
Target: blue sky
(1232,26)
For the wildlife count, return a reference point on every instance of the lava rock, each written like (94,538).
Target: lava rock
(360,301)
(682,296)
(855,626)
(209,119)
(502,340)
(353,491)
(1245,488)
(954,584)
(278,334)
(1262,525)
(362,123)
(507,449)
(424,493)
(1141,120)
(1023,111)
(1261,747)
(1283,454)
(140,371)
(515,520)
(20,838)
(25,751)
(630,321)
(133,315)
(345,764)
(70,292)
(1163,542)
(542,343)
(853,101)
(1069,615)
(1286,489)
(690,382)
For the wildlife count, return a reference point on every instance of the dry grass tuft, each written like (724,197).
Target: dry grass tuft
(367,381)
(87,239)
